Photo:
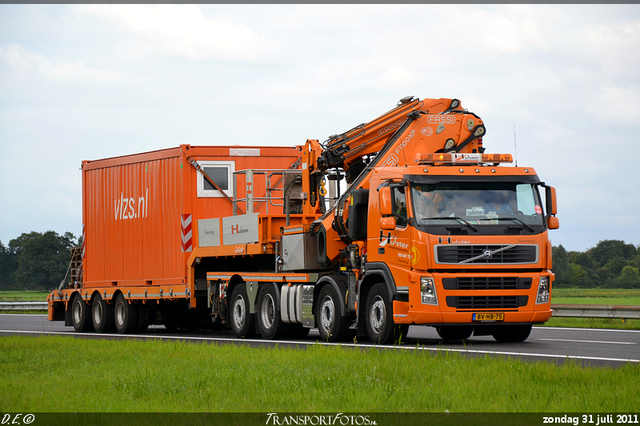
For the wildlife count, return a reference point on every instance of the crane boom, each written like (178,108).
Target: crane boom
(394,139)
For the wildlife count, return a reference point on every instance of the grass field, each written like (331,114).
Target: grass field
(609,323)
(64,374)
(588,296)
(24,296)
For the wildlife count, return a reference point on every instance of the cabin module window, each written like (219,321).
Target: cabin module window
(220,172)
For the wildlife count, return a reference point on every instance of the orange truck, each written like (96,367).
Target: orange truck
(403,220)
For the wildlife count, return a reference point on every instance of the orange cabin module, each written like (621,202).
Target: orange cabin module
(140,212)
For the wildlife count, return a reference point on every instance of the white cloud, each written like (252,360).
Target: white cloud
(181,30)
(27,63)
(23,62)
(483,31)
(79,71)
(399,76)
(617,47)
(616,104)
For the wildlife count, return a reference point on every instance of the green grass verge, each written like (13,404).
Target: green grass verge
(65,374)
(609,323)
(24,296)
(595,296)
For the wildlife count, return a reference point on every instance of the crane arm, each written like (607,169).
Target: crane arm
(347,149)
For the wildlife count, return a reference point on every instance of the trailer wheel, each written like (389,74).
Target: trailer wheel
(126,315)
(511,333)
(242,321)
(452,332)
(80,317)
(268,316)
(331,325)
(102,315)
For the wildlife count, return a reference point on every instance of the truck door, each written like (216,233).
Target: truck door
(395,242)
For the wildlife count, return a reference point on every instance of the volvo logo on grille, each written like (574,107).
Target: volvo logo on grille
(487,254)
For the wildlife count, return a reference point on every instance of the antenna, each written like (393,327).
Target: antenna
(515,145)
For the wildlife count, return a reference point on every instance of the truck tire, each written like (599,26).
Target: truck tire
(126,315)
(80,317)
(331,325)
(270,322)
(454,332)
(102,315)
(379,315)
(511,333)
(242,321)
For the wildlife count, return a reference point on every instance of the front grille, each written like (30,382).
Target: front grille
(486,254)
(487,302)
(486,283)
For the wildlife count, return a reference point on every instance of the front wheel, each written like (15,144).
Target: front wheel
(512,333)
(452,332)
(379,317)
(242,321)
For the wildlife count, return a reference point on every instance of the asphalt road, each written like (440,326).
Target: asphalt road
(592,347)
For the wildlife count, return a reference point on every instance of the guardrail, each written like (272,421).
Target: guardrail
(596,311)
(572,311)
(23,306)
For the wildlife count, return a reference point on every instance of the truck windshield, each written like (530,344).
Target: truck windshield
(471,204)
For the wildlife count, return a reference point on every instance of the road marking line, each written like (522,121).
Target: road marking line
(604,330)
(589,341)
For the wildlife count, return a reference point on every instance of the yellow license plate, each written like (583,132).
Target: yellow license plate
(489,317)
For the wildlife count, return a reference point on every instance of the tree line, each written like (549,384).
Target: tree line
(610,264)
(35,261)
(39,261)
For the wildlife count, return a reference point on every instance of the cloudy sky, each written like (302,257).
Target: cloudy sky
(84,82)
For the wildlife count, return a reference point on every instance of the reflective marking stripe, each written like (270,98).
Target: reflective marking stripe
(185,222)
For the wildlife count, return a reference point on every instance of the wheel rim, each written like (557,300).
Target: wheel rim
(239,312)
(97,313)
(267,311)
(77,311)
(378,315)
(120,314)
(327,312)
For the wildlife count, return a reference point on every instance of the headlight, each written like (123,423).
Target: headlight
(543,291)
(428,291)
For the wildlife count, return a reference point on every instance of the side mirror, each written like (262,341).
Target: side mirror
(552,204)
(388,223)
(386,205)
(552,208)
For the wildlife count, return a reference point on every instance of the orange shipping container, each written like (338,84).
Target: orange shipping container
(140,211)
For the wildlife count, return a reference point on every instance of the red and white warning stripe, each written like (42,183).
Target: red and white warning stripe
(84,241)
(185,221)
